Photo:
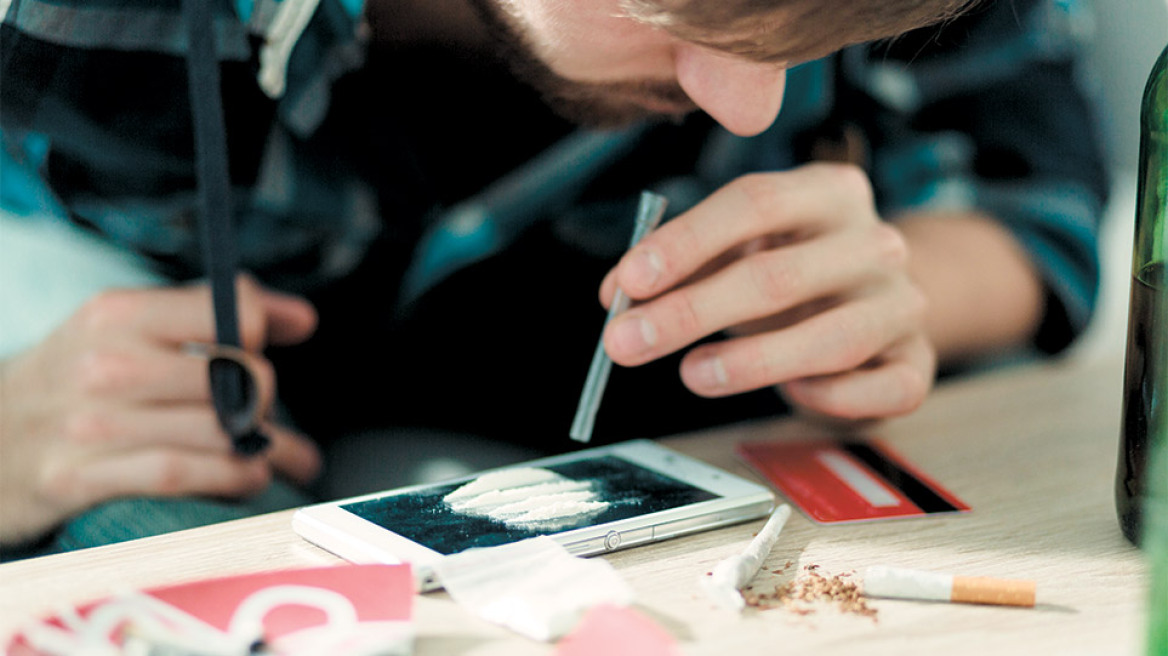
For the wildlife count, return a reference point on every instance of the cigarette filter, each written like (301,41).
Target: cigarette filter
(900,583)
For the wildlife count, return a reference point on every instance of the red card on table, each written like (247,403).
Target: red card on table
(295,609)
(848,481)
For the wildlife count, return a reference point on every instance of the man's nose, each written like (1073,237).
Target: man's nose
(742,95)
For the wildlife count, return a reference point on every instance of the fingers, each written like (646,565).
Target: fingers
(188,427)
(894,387)
(292,454)
(290,319)
(812,199)
(115,402)
(812,285)
(168,452)
(141,372)
(184,314)
(151,373)
(762,284)
(156,472)
(839,339)
(91,433)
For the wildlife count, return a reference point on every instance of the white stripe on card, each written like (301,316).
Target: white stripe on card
(860,481)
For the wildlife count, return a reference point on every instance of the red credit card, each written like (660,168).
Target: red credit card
(848,481)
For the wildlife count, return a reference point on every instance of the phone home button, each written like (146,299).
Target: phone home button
(612,540)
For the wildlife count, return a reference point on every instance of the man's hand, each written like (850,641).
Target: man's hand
(111,405)
(811,284)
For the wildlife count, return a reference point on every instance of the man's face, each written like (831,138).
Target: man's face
(603,67)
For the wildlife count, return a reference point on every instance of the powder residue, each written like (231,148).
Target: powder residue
(552,511)
(530,497)
(527,506)
(503,479)
(802,594)
(492,498)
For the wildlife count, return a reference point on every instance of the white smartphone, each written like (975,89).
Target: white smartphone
(590,501)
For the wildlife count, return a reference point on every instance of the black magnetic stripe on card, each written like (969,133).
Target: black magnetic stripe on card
(916,490)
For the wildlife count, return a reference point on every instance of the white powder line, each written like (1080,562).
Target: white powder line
(556,512)
(499,480)
(530,497)
(501,497)
(528,505)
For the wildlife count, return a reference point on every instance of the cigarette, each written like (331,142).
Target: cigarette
(729,575)
(900,583)
(649,212)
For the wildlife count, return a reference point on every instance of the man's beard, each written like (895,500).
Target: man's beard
(595,104)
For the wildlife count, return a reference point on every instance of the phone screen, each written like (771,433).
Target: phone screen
(524,502)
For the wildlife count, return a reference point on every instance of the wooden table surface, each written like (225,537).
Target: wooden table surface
(1032,449)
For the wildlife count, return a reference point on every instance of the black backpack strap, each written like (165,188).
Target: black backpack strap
(233,389)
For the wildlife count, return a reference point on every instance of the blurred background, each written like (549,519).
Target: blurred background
(1129,36)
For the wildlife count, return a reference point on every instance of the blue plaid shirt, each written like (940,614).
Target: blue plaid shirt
(985,113)
(96,128)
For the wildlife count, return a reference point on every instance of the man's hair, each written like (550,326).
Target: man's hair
(790,31)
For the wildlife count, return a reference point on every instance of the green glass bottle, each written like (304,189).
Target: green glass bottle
(1156,546)
(1154,212)
(1145,394)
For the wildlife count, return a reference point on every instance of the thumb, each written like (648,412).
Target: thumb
(292,454)
(290,319)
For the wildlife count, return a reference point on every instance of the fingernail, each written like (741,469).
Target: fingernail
(646,267)
(711,373)
(633,335)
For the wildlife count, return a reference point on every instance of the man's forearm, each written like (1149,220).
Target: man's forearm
(984,294)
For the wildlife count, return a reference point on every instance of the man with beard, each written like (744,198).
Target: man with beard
(928,199)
